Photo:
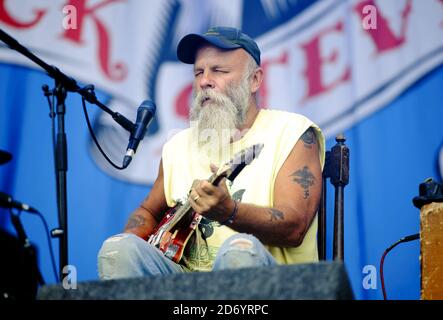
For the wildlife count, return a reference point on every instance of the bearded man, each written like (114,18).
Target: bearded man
(267,215)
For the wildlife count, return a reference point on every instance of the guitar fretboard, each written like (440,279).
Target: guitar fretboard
(186,207)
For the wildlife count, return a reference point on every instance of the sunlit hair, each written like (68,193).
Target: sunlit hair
(251,68)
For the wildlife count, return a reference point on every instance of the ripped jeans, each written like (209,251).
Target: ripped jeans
(126,255)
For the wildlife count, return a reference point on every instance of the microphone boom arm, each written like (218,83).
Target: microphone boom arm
(69,83)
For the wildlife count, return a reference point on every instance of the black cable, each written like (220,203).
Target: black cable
(52,115)
(48,237)
(95,138)
(382,260)
(54,142)
(48,93)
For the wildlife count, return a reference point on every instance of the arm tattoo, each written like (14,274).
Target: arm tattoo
(305,178)
(309,138)
(135,221)
(276,215)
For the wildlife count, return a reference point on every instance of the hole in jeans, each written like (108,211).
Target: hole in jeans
(115,238)
(242,243)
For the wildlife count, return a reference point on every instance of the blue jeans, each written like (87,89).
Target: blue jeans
(126,255)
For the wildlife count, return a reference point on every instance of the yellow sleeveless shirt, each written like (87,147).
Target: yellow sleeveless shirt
(182,164)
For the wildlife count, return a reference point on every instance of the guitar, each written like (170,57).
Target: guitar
(179,223)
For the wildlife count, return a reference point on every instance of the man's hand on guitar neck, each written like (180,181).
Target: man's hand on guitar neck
(212,202)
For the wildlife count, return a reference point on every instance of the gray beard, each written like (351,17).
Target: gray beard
(220,119)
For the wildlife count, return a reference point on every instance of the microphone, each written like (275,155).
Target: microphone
(6,201)
(145,114)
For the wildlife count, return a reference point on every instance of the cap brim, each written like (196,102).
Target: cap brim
(188,46)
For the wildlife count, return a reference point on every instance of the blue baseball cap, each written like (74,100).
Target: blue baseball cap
(221,37)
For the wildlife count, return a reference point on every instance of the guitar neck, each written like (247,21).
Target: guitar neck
(214,179)
(180,213)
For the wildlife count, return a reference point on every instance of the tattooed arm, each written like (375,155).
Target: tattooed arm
(296,197)
(146,217)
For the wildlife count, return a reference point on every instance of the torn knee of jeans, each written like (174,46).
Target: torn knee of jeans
(110,254)
(115,238)
(107,259)
(241,243)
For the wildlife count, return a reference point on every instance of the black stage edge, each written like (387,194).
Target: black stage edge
(313,281)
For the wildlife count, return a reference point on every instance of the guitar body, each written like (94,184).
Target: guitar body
(173,242)
(179,223)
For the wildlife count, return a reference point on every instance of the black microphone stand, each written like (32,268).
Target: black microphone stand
(63,85)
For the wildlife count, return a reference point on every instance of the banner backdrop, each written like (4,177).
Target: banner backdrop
(371,69)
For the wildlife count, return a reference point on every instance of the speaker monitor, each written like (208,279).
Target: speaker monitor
(18,269)
(322,280)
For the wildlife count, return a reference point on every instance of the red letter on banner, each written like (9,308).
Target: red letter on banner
(182,102)
(282,59)
(11,22)
(315,62)
(116,72)
(382,36)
